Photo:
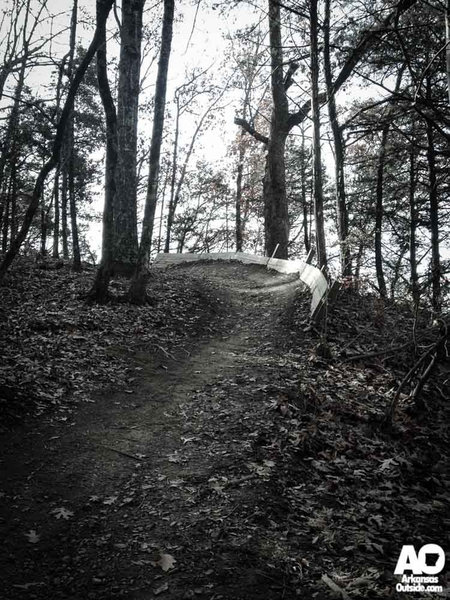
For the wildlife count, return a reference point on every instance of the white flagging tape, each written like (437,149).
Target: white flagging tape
(311,276)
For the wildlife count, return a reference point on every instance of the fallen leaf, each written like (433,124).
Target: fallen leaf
(173,458)
(166,562)
(110,500)
(32,536)
(62,513)
(386,464)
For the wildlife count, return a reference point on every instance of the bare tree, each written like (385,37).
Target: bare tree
(177,186)
(103,10)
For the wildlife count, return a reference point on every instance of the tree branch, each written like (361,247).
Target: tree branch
(300,116)
(289,77)
(251,130)
(366,41)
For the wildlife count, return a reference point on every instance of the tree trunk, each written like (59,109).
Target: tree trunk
(64,227)
(413,220)
(125,210)
(359,259)
(6,219)
(434,215)
(447,49)
(55,250)
(44,228)
(73,206)
(240,169)
(276,220)
(99,291)
(70,148)
(317,154)
(57,217)
(396,270)
(103,9)
(171,208)
(305,203)
(161,212)
(10,141)
(379,211)
(137,290)
(275,201)
(14,192)
(339,154)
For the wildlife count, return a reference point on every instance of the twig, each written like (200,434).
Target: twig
(239,480)
(121,452)
(408,376)
(423,379)
(378,353)
(433,351)
(165,352)
(335,587)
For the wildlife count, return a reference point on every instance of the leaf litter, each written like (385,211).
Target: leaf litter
(291,488)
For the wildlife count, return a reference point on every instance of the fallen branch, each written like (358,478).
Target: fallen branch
(335,588)
(386,351)
(239,480)
(121,452)
(436,351)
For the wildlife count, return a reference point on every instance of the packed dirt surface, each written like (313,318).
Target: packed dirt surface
(156,491)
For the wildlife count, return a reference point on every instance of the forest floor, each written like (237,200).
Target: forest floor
(203,447)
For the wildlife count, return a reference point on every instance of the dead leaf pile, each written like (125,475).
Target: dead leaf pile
(56,349)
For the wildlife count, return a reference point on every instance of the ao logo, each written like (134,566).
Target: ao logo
(417,563)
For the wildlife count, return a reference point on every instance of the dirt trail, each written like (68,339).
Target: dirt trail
(169,468)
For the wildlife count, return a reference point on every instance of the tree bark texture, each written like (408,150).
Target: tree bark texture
(76,256)
(379,212)
(339,154)
(317,155)
(238,202)
(56,216)
(64,203)
(70,148)
(434,221)
(57,211)
(305,203)
(276,219)
(414,277)
(447,49)
(137,290)
(99,291)
(171,210)
(125,210)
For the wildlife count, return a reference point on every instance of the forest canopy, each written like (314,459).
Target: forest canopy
(306,125)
